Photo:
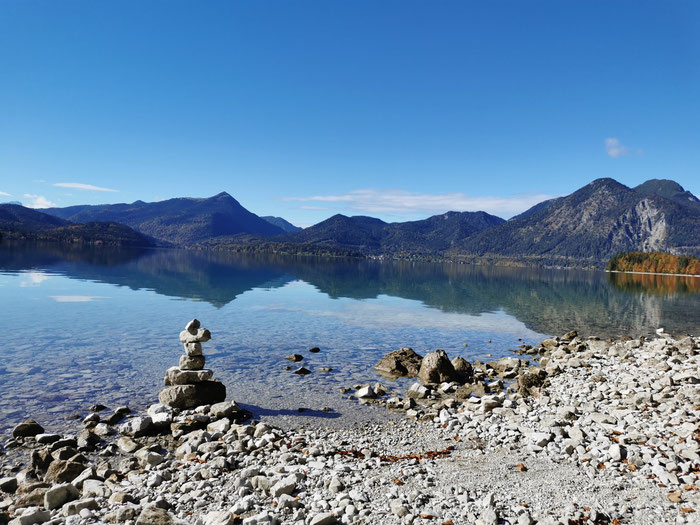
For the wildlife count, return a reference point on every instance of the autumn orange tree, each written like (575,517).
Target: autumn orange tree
(654,262)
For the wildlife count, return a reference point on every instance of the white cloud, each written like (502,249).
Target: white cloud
(39,201)
(404,203)
(2,193)
(614,148)
(81,186)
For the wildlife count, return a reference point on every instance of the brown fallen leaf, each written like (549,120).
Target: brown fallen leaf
(397,481)
(448,522)
(601,466)
(687,510)
(675,497)
(426,516)
(457,439)
(521,467)
(689,487)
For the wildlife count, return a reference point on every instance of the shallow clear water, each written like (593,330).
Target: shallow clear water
(88,326)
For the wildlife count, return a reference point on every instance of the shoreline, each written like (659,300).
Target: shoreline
(655,273)
(608,431)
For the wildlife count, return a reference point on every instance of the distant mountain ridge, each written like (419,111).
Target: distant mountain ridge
(287,226)
(179,221)
(588,226)
(596,222)
(20,223)
(374,236)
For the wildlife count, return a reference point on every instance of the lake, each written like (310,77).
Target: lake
(85,326)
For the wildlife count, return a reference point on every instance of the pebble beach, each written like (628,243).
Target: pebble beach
(572,431)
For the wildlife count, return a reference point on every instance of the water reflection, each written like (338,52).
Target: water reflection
(545,301)
(664,285)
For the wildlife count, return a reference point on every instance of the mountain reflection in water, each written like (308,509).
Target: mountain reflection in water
(546,301)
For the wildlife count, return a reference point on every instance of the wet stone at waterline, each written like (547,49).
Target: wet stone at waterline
(189,384)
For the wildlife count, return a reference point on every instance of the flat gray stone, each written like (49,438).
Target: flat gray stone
(175,376)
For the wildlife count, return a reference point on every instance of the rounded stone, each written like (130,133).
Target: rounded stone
(192,362)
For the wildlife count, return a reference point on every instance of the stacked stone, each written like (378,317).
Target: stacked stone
(190,384)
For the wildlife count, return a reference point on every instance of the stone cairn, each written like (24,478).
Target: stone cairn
(190,385)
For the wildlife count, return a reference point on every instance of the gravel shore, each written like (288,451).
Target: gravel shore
(600,432)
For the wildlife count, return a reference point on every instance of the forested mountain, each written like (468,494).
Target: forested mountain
(179,221)
(589,226)
(20,223)
(373,236)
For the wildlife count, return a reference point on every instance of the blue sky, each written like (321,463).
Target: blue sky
(395,109)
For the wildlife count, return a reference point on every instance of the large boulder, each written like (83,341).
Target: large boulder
(28,428)
(190,396)
(464,370)
(437,368)
(63,471)
(529,382)
(400,363)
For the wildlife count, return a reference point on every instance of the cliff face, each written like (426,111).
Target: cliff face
(594,223)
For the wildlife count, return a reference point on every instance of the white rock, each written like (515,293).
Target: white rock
(284,486)
(617,452)
(366,392)
(32,516)
(220,517)
(323,519)
(222,425)
(541,438)
(148,457)
(136,426)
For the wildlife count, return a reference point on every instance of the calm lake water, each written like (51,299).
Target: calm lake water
(101,325)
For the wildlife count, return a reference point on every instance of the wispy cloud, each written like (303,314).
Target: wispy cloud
(614,148)
(3,194)
(404,203)
(39,201)
(81,186)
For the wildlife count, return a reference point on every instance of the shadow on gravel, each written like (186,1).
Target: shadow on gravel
(302,412)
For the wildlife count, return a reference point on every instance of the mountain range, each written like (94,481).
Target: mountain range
(180,221)
(587,227)
(596,222)
(20,223)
